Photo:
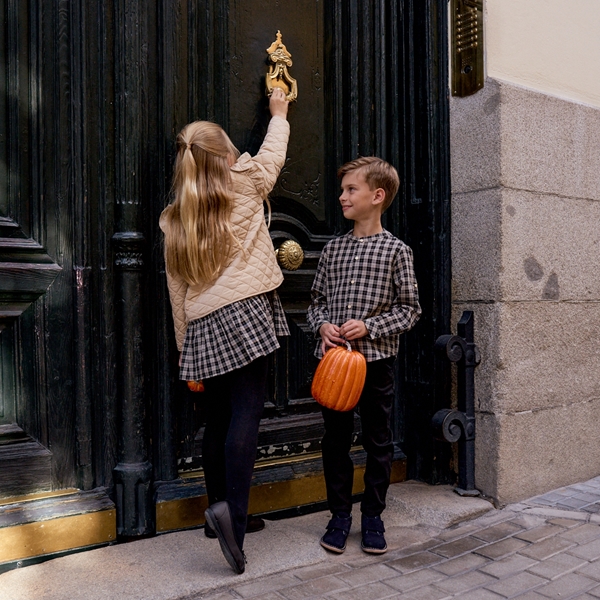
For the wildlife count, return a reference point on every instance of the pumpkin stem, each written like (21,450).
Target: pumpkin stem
(348,346)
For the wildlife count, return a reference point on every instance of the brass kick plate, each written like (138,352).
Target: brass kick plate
(467,47)
(278,75)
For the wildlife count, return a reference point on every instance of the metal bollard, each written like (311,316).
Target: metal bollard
(459,425)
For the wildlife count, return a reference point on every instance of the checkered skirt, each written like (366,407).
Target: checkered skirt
(232,336)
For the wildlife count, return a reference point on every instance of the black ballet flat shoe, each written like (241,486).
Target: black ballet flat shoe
(218,516)
(337,532)
(254,524)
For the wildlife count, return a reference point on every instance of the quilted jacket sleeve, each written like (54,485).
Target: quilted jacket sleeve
(177,292)
(264,168)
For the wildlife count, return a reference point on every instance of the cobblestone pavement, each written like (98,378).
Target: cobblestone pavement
(545,547)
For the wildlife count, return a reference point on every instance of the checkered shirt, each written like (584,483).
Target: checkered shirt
(232,336)
(370,279)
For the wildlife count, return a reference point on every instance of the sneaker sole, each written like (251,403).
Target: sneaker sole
(332,548)
(373,550)
(224,546)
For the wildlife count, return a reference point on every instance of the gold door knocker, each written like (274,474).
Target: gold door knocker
(278,74)
(290,255)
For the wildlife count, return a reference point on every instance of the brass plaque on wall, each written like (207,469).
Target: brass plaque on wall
(467,47)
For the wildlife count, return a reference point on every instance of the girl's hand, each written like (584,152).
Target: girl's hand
(353,329)
(278,105)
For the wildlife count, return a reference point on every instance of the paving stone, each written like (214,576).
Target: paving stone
(480,594)
(589,551)
(556,566)
(546,548)
(532,596)
(458,532)
(412,581)
(508,566)
(314,587)
(415,562)
(414,549)
(539,533)
(595,592)
(378,572)
(587,497)
(372,591)
(226,596)
(457,547)
(527,521)
(516,584)
(498,532)
(585,487)
(550,513)
(263,596)
(566,523)
(591,570)
(428,592)
(265,584)
(587,596)
(501,549)
(592,508)
(465,582)
(468,562)
(543,501)
(567,587)
(571,503)
(582,534)
(320,570)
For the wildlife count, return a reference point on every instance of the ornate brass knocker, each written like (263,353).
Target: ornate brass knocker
(278,74)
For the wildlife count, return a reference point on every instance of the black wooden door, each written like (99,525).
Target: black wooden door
(93,95)
(362,89)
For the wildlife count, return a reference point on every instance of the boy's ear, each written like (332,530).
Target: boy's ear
(379,196)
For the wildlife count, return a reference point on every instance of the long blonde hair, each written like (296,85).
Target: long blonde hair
(199,239)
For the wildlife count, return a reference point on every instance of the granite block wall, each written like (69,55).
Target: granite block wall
(526,259)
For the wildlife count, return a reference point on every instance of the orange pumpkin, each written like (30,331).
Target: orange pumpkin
(339,378)
(196,386)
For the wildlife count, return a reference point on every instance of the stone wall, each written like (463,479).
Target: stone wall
(526,259)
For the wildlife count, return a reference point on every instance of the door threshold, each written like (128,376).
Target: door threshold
(40,526)
(281,484)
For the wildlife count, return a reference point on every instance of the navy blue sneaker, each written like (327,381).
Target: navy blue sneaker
(373,541)
(337,532)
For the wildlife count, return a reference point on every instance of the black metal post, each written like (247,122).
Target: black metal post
(133,473)
(459,425)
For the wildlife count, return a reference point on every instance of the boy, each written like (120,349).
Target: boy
(365,292)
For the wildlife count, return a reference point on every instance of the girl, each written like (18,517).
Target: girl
(222,275)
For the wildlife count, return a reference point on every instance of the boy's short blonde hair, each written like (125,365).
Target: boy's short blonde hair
(378,173)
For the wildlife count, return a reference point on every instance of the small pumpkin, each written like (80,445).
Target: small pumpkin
(196,386)
(339,378)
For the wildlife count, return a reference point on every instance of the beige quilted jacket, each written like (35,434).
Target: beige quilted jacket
(255,271)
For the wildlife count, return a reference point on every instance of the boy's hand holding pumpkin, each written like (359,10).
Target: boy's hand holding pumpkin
(353,329)
(330,336)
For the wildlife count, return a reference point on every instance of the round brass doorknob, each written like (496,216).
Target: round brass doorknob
(290,255)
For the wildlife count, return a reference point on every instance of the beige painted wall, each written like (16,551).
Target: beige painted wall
(552,46)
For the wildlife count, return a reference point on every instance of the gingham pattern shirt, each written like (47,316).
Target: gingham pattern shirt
(370,279)
(232,336)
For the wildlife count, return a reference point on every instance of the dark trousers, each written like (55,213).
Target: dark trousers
(375,406)
(234,406)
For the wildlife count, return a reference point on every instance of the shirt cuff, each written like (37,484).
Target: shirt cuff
(372,328)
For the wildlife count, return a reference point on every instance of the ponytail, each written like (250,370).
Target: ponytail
(199,241)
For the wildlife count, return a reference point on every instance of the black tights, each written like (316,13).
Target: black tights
(234,406)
